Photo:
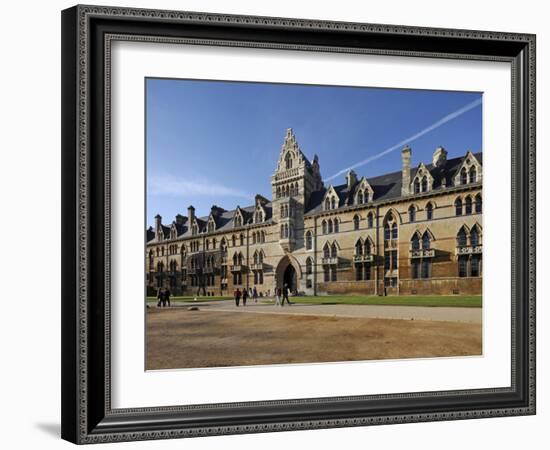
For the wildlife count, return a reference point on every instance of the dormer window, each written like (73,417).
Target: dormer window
(194,229)
(469,171)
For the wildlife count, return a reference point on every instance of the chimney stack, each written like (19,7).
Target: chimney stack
(351,178)
(190,214)
(406,171)
(439,157)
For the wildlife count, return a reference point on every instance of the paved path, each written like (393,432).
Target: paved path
(439,313)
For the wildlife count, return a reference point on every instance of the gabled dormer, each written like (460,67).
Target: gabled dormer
(363,192)
(211,224)
(423,180)
(469,171)
(173,231)
(331,199)
(238,218)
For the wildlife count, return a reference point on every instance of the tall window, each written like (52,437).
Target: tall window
(462,238)
(425,241)
(309,243)
(360,198)
(478,204)
(429,211)
(326,251)
(468,204)
(424,184)
(309,266)
(324,227)
(333,251)
(327,203)
(473,174)
(387,233)
(358,272)
(462,266)
(326,274)
(330,225)
(463,176)
(394,231)
(458,207)
(426,268)
(474,237)
(475,266)
(416,186)
(336,225)
(415,269)
(356,222)
(332,203)
(415,242)
(370,220)
(358,248)
(412,213)
(368,247)
(333,276)
(288,161)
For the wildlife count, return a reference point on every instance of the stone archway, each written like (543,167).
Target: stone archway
(288,271)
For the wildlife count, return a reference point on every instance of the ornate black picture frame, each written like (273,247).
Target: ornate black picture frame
(87,33)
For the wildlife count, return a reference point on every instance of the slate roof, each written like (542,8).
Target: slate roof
(385,187)
(388,186)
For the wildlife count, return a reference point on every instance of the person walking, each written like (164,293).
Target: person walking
(159,297)
(255,294)
(245,296)
(237,295)
(277,296)
(167,294)
(285,295)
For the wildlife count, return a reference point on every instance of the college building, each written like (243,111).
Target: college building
(414,231)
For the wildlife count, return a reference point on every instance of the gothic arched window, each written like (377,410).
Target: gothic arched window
(356,222)
(368,247)
(462,238)
(458,207)
(324,227)
(429,211)
(478,205)
(333,250)
(360,198)
(394,231)
(463,176)
(359,248)
(309,243)
(424,184)
(425,241)
(468,204)
(474,237)
(370,220)
(332,203)
(309,266)
(415,242)
(412,213)
(288,161)
(473,174)
(336,225)
(416,185)
(329,228)
(326,251)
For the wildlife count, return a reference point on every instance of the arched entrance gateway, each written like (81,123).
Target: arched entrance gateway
(288,272)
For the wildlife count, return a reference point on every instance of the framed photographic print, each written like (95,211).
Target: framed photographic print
(281,224)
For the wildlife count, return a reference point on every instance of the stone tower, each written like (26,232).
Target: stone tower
(293,182)
(406,171)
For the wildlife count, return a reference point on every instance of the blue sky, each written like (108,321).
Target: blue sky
(211,142)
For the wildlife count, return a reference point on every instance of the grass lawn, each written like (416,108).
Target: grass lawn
(402,300)
(190,298)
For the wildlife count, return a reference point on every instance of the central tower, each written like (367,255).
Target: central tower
(292,184)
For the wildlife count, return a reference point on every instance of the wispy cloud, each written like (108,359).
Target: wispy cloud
(170,185)
(408,140)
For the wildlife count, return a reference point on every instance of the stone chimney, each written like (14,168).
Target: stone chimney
(406,171)
(190,213)
(351,178)
(158,225)
(440,157)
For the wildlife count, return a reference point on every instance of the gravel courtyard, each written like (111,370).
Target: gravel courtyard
(217,337)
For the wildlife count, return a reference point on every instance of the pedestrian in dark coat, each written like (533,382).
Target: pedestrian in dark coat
(167,294)
(285,295)
(159,297)
(237,295)
(245,296)
(255,294)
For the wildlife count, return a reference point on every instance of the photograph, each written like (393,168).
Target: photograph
(295,223)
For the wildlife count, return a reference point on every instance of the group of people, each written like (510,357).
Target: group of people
(163,297)
(281,294)
(245,294)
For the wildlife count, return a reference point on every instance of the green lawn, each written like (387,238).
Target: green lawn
(403,300)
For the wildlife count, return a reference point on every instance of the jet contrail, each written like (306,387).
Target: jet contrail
(408,140)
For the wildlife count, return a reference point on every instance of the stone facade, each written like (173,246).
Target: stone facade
(414,231)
